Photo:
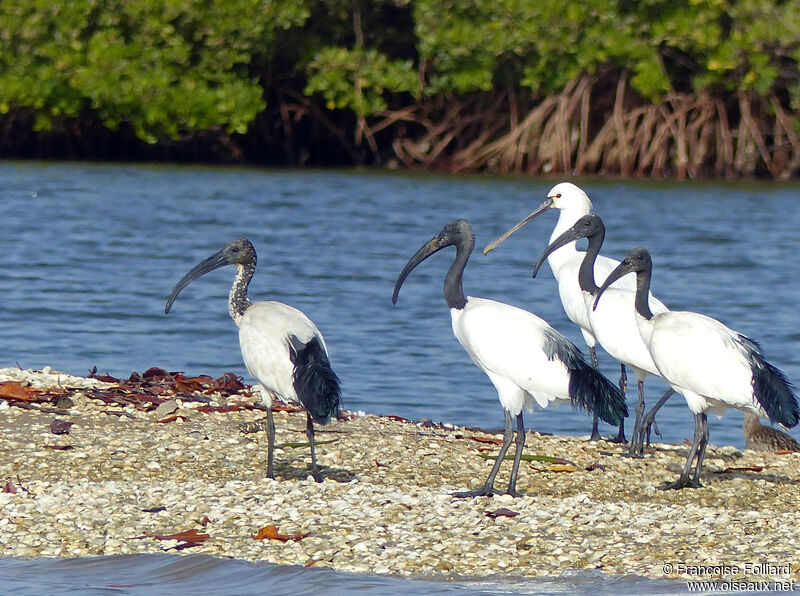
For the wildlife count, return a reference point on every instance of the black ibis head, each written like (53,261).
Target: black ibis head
(588,226)
(636,261)
(457,233)
(240,252)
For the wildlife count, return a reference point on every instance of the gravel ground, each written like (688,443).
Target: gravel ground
(118,481)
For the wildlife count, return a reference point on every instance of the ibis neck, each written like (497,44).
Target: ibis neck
(238,301)
(641,301)
(453,281)
(586,272)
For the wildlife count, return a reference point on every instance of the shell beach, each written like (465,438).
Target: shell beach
(99,466)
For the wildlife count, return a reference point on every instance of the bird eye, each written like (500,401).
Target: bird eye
(235,249)
(558,196)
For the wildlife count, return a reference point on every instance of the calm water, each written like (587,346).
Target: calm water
(92,251)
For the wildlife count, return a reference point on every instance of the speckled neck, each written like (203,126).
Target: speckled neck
(238,301)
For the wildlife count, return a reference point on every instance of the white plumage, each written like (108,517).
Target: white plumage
(266,355)
(573,203)
(508,344)
(720,375)
(281,347)
(712,366)
(525,358)
(613,322)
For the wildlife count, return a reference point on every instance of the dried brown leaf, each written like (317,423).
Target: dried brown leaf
(271,533)
(106,378)
(744,469)
(15,390)
(396,418)
(172,418)
(191,537)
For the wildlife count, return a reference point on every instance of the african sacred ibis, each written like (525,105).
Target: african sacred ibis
(712,366)
(281,347)
(573,204)
(613,322)
(522,355)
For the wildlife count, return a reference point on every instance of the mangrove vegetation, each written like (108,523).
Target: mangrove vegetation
(681,88)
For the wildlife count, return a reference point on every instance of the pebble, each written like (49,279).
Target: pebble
(385,506)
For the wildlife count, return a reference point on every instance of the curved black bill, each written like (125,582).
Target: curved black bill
(213,262)
(433,245)
(562,240)
(623,268)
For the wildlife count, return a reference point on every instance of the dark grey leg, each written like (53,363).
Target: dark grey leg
(699,437)
(595,436)
(623,387)
(636,448)
(488,488)
(310,434)
(270,442)
(649,419)
(512,483)
(701,451)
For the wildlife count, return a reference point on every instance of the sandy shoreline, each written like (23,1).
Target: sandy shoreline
(120,481)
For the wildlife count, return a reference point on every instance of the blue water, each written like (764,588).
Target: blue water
(146,575)
(92,251)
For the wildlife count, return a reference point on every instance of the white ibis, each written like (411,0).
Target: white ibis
(614,321)
(524,357)
(712,366)
(573,204)
(281,346)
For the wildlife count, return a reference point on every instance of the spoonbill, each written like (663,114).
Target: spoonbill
(712,366)
(613,322)
(524,357)
(281,347)
(573,203)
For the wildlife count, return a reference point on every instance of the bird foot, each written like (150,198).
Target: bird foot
(481,492)
(595,437)
(620,440)
(681,483)
(514,493)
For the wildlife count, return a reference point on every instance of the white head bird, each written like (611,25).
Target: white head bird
(573,203)
(281,347)
(524,357)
